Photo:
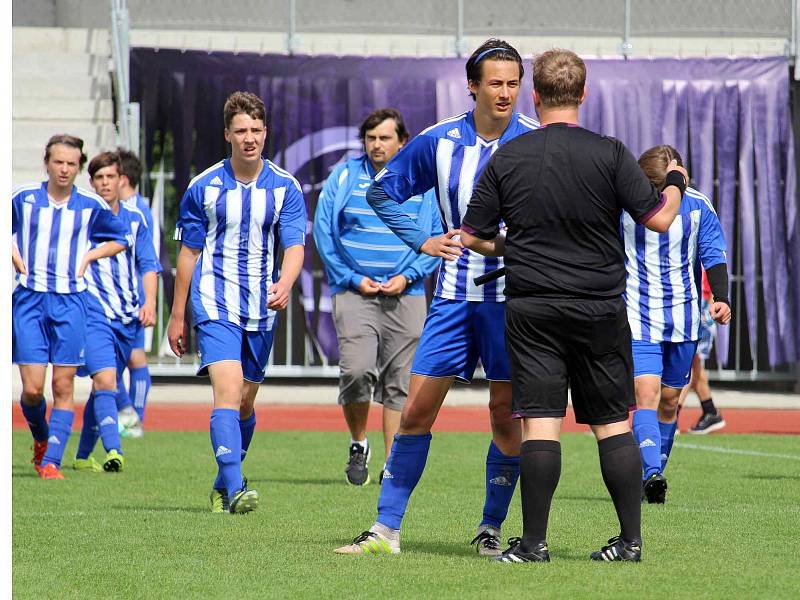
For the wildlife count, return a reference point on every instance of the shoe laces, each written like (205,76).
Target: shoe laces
(364,536)
(513,543)
(486,539)
(358,456)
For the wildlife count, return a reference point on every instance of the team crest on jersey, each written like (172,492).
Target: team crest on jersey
(454,133)
(30,199)
(215,181)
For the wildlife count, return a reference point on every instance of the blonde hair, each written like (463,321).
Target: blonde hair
(559,77)
(655,160)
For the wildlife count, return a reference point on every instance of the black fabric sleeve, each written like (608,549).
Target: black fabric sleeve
(718,281)
(636,194)
(482,218)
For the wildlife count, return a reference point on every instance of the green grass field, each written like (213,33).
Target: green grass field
(729,528)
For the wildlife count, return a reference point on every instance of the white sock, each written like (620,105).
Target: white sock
(363,443)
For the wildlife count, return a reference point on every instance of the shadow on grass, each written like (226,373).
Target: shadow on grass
(24,472)
(163,509)
(321,481)
(761,477)
(582,498)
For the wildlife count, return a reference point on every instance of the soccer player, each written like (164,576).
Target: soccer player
(115,312)
(711,419)
(377,284)
(462,325)
(663,309)
(131,411)
(53,225)
(560,191)
(229,219)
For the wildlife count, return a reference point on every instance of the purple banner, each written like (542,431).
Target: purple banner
(729,118)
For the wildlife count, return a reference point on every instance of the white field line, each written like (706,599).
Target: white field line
(723,450)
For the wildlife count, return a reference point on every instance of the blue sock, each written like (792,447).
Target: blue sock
(60,428)
(667,437)
(36,416)
(226,442)
(89,432)
(502,473)
(247,428)
(123,400)
(401,475)
(105,412)
(645,428)
(140,388)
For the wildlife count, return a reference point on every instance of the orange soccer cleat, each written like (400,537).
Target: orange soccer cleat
(50,471)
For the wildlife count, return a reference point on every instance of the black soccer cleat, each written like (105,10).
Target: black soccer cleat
(654,489)
(619,550)
(514,554)
(708,422)
(356,471)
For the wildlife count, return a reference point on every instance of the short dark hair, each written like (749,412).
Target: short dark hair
(67,140)
(376,117)
(102,160)
(130,166)
(654,162)
(243,103)
(559,77)
(491,49)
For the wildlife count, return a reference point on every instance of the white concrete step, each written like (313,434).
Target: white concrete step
(29,85)
(67,110)
(36,132)
(50,39)
(20,176)
(65,64)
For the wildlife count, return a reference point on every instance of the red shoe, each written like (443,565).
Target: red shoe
(39,448)
(50,471)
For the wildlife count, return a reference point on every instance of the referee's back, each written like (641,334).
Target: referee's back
(563,189)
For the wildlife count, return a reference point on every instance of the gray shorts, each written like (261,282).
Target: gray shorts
(377,339)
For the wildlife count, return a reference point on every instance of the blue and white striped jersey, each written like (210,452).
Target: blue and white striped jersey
(140,203)
(663,273)
(53,238)
(114,282)
(450,157)
(235,226)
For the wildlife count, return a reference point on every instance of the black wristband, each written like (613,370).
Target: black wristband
(677,179)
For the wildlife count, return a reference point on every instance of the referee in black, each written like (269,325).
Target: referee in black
(560,191)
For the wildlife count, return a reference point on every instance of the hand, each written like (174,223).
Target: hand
(673,166)
(721,313)
(177,334)
(84,265)
(16,260)
(368,287)
(443,246)
(147,315)
(278,296)
(395,286)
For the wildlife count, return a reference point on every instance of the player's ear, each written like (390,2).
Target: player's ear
(536,100)
(583,95)
(227,134)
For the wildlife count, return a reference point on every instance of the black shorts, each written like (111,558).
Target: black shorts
(581,344)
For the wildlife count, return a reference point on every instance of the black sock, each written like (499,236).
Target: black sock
(621,465)
(708,406)
(539,471)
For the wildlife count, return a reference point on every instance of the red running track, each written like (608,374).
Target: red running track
(195,417)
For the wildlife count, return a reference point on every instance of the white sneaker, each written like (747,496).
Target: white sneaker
(487,541)
(371,542)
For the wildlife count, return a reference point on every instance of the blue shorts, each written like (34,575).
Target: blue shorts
(671,361)
(48,327)
(456,334)
(218,341)
(138,339)
(108,344)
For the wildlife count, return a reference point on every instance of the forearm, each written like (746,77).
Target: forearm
(150,285)
(718,280)
(493,247)
(187,259)
(395,217)
(292,264)
(104,251)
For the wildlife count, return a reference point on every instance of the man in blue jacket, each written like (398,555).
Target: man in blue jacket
(377,285)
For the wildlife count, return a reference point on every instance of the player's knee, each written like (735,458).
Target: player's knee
(416,419)
(647,396)
(32,392)
(62,389)
(105,380)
